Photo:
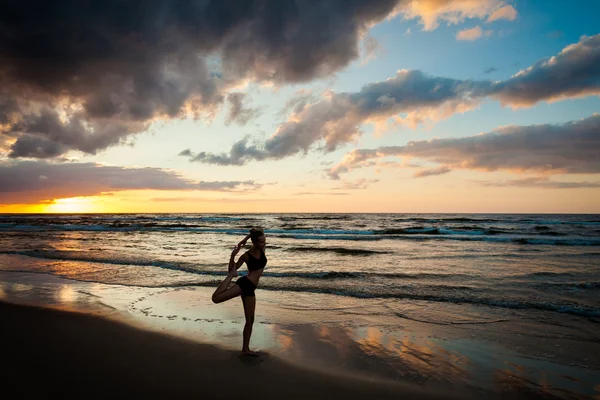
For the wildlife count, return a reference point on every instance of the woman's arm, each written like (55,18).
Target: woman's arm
(236,250)
(240,261)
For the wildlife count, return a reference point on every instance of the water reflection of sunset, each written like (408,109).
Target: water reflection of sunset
(67,294)
(284,337)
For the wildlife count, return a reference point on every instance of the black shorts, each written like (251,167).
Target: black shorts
(247,286)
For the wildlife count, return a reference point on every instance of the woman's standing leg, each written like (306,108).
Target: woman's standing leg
(249,307)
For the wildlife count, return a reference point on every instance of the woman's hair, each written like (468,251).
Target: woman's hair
(255,233)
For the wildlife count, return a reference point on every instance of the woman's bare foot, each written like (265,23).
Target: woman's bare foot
(249,353)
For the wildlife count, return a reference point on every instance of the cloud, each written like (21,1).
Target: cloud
(432,171)
(571,73)
(87,76)
(470,34)
(357,185)
(238,113)
(540,182)
(473,34)
(34,181)
(239,154)
(490,70)
(330,193)
(557,34)
(412,98)
(568,148)
(507,12)
(343,187)
(217,200)
(93,73)
(431,12)
(297,102)
(370,49)
(336,118)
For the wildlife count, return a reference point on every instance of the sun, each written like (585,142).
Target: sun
(72,205)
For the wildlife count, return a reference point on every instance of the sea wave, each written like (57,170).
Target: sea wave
(86,256)
(337,250)
(546,274)
(569,286)
(325,217)
(491,235)
(567,308)
(440,293)
(209,268)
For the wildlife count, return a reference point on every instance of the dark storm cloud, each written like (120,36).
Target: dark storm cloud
(34,181)
(294,41)
(412,98)
(109,68)
(44,135)
(568,148)
(85,74)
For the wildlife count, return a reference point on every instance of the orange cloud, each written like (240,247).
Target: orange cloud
(507,12)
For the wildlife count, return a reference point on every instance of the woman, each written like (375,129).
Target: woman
(256,260)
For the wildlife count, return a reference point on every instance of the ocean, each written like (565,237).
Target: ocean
(539,273)
(538,262)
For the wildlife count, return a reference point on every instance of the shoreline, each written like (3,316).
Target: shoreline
(472,360)
(69,354)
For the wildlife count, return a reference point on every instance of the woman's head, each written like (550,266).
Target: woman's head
(257,236)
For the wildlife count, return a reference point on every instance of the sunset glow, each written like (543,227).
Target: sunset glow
(74,205)
(408,107)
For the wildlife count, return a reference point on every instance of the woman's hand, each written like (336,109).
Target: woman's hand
(236,249)
(243,242)
(240,246)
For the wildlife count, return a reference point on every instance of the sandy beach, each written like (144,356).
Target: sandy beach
(104,339)
(58,354)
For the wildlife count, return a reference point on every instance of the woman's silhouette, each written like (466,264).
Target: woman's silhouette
(256,260)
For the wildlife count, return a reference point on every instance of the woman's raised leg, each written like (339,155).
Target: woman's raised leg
(223,294)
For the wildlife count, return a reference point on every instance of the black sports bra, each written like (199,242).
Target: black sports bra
(254,264)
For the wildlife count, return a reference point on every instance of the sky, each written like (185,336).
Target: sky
(378,106)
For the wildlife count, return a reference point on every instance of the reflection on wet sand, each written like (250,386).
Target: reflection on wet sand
(67,294)
(52,293)
(370,351)
(377,354)
(324,339)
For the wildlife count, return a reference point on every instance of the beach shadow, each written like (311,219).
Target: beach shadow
(253,360)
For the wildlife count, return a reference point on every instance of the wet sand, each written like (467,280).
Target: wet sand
(176,341)
(58,354)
